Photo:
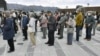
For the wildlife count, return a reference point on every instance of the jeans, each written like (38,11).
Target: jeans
(44,31)
(88,32)
(0,30)
(61,31)
(94,27)
(25,32)
(78,28)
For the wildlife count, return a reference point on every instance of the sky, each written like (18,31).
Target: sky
(56,3)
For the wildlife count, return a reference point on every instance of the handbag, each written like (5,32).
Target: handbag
(29,29)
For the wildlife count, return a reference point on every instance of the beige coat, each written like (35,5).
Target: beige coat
(32,24)
(44,21)
(71,25)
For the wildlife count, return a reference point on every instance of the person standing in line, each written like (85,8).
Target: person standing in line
(68,14)
(37,19)
(89,24)
(51,28)
(14,16)
(44,25)
(98,18)
(70,30)
(8,31)
(79,21)
(94,24)
(24,23)
(56,15)
(31,25)
(58,19)
(61,23)
(40,20)
(0,22)
(3,19)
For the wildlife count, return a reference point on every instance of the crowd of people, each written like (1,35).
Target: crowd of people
(49,23)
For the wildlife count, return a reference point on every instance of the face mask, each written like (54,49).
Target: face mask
(89,14)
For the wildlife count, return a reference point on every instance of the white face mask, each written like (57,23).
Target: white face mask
(89,14)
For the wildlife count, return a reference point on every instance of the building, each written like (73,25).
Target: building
(97,9)
(3,5)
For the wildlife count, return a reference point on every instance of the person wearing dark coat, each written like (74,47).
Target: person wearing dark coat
(89,24)
(8,32)
(24,26)
(57,24)
(14,16)
(51,29)
(0,22)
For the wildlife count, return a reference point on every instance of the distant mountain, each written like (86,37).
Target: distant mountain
(30,8)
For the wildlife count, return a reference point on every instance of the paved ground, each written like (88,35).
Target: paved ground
(24,48)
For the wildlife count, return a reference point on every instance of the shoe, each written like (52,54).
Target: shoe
(60,38)
(50,45)
(24,39)
(46,43)
(58,34)
(80,35)
(88,39)
(33,46)
(69,44)
(85,38)
(77,40)
(11,51)
(93,34)
(14,40)
(43,37)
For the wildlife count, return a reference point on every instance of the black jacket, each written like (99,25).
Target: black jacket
(51,23)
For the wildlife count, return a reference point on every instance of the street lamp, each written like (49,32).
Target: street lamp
(67,7)
(88,4)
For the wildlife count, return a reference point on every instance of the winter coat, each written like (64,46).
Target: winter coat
(79,19)
(24,21)
(90,20)
(51,23)
(62,20)
(8,29)
(44,21)
(32,24)
(71,25)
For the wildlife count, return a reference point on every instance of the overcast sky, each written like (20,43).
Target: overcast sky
(57,3)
